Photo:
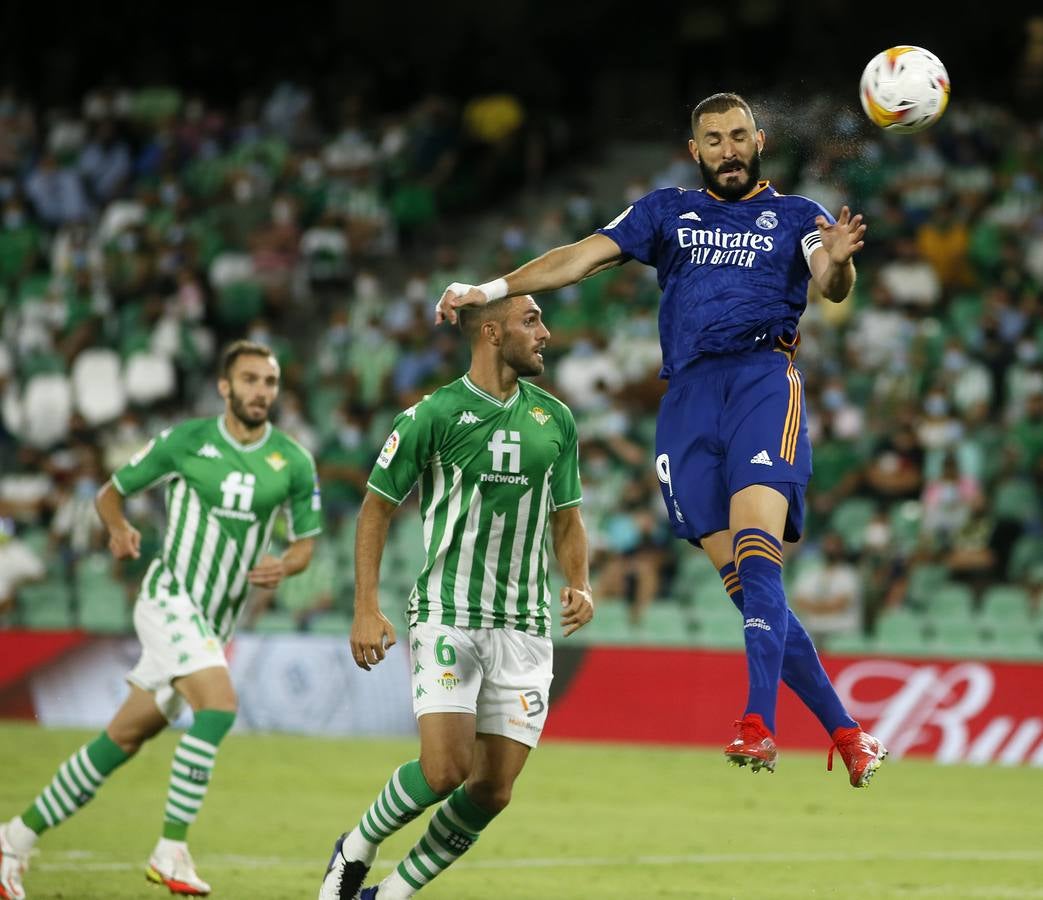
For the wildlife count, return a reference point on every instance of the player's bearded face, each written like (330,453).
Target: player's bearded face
(251,411)
(522,353)
(252,388)
(732,178)
(524,337)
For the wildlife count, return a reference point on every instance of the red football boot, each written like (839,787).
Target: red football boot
(754,745)
(862,754)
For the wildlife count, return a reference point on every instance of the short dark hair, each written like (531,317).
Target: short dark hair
(241,348)
(472,318)
(719,103)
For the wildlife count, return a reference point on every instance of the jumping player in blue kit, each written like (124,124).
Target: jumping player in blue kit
(734,261)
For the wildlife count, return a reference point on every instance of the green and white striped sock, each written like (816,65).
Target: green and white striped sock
(404,797)
(453,828)
(191,770)
(75,783)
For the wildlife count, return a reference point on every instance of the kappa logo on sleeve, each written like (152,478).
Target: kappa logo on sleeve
(389,450)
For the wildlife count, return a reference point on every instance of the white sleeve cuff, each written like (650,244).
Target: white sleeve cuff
(809,244)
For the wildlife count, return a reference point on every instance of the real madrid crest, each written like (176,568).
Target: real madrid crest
(767,220)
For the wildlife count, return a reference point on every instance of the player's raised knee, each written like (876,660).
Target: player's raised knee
(445,774)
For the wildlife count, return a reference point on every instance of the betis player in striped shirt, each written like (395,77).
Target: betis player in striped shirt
(495,459)
(227,479)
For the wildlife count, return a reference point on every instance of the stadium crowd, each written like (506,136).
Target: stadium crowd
(146,228)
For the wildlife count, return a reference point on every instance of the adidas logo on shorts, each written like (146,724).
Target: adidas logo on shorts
(762,459)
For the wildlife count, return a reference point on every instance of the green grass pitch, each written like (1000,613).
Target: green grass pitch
(588,821)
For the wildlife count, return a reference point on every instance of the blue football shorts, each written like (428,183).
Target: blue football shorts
(724,424)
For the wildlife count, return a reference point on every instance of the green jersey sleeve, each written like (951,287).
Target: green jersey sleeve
(565,488)
(153,463)
(304,505)
(405,454)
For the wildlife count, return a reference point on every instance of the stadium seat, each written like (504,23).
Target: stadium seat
(275,621)
(103,607)
(850,519)
(47,405)
(148,377)
(949,601)
(335,623)
(725,633)
(854,642)
(923,580)
(45,605)
(955,637)
(664,623)
(96,386)
(1026,558)
(1013,640)
(900,631)
(1006,603)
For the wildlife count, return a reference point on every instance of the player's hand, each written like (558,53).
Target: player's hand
(268,572)
(371,636)
(577,608)
(455,296)
(844,239)
(125,542)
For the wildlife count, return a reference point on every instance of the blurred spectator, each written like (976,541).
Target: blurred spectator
(827,596)
(909,279)
(18,564)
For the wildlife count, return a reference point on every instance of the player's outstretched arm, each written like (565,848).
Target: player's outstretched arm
(570,547)
(831,267)
(554,269)
(371,632)
(124,538)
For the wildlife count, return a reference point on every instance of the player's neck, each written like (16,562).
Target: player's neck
(499,381)
(242,432)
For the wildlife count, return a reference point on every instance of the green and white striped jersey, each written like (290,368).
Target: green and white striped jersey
(222,498)
(490,473)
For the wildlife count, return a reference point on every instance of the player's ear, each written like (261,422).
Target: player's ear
(760,140)
(693,148)
(224,387)
(491,332)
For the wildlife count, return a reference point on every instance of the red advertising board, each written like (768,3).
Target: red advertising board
(955,711)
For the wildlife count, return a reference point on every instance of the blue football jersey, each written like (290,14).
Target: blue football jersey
(734,274)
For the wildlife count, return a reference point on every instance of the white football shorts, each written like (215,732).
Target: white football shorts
(499,675)
(176,640)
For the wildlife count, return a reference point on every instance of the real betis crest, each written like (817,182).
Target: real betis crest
(277,461)
(539,414)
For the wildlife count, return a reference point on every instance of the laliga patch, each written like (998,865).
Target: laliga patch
(389,451)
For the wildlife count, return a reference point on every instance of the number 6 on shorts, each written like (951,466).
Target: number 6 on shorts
(444,653)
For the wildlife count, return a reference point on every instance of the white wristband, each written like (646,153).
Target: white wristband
(494,290)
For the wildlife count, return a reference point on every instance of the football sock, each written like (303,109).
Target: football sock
(75,783)
(802,670)
(758,560)
(191,769)
(453,828)
(404,797)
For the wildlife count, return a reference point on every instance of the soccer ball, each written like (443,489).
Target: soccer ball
(904,89)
